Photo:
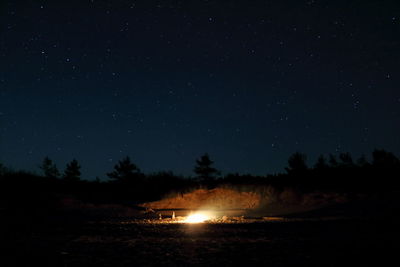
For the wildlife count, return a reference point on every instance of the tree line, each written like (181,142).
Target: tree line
(127,182)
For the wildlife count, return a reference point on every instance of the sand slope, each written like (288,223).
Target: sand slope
(218,198)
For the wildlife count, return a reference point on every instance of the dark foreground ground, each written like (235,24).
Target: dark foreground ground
(358,242)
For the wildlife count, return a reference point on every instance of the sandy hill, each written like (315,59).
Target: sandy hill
(218,198)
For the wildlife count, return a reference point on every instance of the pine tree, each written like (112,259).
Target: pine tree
(49,168)
(72,171)
(125,171)
(333,161)
(346,159)
(363,162)
(204,170)
(2,169)
(321,163)
(383,159)
(297,163)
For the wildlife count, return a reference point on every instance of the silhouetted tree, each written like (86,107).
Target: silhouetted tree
(204,170)
(333,161)
(383,159)
(363,162)
(72,171)
(346,159)
(321,163)
(2,169)
(49,168)
(297,163)
(125,171)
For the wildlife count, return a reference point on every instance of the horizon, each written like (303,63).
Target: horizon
(103,177)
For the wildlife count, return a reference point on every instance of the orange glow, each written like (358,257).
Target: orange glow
(197,218)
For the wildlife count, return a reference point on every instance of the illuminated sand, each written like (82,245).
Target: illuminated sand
(167,213)
(215,203)
(199,220)
(214,199)
(236,202)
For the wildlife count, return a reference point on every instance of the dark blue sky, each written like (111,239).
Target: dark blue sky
(249,82)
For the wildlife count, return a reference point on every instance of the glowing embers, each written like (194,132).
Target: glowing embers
(198,217)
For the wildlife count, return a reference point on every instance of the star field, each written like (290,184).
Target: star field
(249,82)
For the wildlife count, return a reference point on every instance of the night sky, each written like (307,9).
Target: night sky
(249,82)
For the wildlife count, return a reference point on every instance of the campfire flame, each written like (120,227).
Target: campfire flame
(197,217)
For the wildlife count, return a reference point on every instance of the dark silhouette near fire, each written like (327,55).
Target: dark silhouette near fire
(49,168)
(297,164)
(72,171)
(204,170)
(125,172)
